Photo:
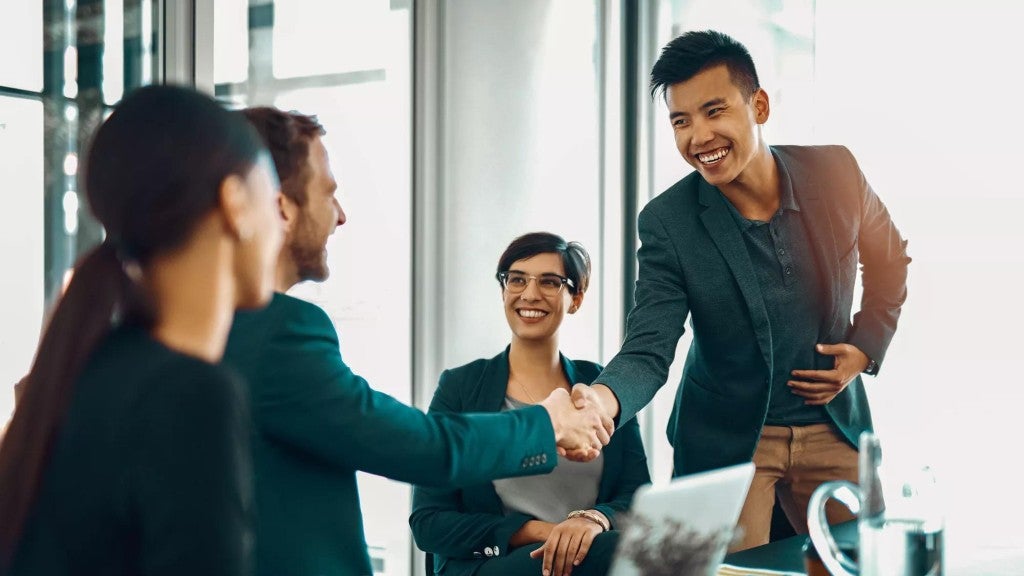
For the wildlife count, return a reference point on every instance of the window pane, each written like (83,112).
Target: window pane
(21,241)
(21,43)
(522,154)
(333,36)
(128,51)
(349,63)
(230,41)
(368,140)
(113,59)
(94,50)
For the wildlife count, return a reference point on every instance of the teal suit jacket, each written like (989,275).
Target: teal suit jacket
(317,423)
(458,526)
(693,262)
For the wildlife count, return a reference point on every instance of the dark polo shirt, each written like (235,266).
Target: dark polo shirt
(780,251)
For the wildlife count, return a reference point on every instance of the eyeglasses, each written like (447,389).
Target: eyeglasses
(548,284)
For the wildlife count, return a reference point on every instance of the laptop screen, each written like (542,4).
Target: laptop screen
(682,527)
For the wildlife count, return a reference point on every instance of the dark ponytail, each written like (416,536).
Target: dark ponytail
(154,170)
(98,290)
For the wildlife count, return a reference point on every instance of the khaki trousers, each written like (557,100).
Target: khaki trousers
(791,461)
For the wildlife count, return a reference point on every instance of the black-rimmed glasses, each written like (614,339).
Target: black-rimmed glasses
(548,284)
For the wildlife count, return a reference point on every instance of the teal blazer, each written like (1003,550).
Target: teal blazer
(318,423)
(460,526)
(693,263)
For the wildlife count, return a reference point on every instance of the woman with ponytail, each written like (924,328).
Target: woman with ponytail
(128,450)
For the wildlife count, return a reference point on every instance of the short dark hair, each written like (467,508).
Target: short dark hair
(287,136)
(693,52)
(574,256)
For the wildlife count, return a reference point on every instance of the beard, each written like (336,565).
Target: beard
(310,263)
(309,254)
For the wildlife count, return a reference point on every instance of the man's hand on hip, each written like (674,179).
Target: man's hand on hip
(819,387)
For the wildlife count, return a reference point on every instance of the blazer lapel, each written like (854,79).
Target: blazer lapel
(818,222)
(492,385)
(490,398)
(569,369)
(727,237)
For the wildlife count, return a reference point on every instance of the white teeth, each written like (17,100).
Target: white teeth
(532,313)
(713,156)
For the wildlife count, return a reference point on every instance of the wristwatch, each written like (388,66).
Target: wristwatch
(872,368)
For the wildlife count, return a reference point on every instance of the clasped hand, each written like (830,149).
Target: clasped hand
(582,425)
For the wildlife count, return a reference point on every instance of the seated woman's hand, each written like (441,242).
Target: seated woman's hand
(567,545)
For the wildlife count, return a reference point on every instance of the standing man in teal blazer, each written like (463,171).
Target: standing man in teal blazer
(318,423)
(759,247)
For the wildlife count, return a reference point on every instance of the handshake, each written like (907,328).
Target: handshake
(583,421)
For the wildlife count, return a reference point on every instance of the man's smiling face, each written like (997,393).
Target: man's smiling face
(716,127)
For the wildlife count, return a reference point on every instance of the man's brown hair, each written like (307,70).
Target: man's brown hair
(287,136)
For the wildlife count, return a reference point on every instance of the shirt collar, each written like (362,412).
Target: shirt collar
(787,200)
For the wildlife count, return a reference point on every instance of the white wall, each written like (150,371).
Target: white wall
(21,242)
(926,95)
(521,153)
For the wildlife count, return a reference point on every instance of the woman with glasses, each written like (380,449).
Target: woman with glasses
(128,452)
(563,521)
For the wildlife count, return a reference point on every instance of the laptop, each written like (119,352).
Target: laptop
(682,527)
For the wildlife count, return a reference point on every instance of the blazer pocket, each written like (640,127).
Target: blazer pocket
(693,382)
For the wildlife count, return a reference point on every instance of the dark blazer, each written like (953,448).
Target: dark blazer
(693,262)
(460,527)
(150,471)
(318,423)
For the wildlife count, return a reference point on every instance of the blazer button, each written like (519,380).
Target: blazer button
(488,552)
(543,458)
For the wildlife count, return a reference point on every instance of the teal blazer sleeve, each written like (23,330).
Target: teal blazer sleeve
(310,402)
(458,525)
